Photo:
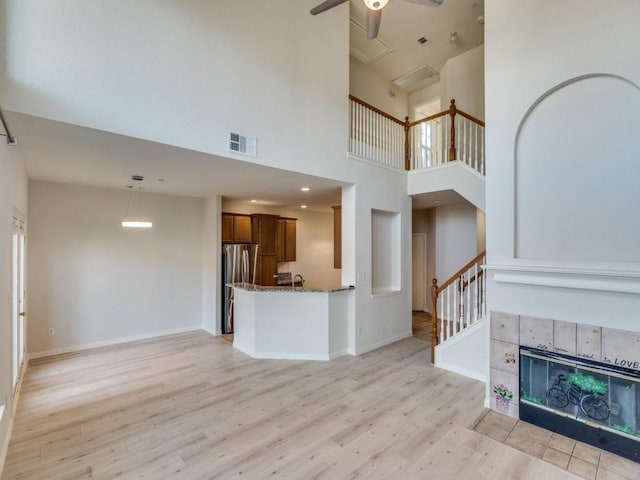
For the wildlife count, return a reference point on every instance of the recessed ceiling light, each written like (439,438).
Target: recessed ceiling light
(436,202)
(305,189)
(254,201)
(303,206)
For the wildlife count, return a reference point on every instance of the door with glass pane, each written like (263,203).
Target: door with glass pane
(17,298)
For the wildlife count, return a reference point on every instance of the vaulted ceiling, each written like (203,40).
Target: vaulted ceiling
(397,47)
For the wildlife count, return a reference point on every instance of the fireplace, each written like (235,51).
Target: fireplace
(596,403)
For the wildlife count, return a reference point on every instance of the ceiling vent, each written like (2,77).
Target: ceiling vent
(362,48)
(415,76)
(242,144)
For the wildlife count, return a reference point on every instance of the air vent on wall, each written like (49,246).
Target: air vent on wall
(242,144)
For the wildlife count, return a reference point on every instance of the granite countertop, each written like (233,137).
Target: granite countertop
(250,287)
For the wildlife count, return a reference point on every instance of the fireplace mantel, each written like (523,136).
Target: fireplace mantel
(567,276)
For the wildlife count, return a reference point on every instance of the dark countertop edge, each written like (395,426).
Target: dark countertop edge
(250,287)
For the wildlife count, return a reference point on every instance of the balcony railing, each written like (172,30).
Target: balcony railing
(446,136)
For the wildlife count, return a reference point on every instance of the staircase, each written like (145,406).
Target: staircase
(458,304)
(445,151)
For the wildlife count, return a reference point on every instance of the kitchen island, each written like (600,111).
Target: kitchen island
(291,323)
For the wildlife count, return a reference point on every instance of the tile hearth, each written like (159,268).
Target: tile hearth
(583,460)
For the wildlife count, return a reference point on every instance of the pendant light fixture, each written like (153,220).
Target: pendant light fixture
(134,217)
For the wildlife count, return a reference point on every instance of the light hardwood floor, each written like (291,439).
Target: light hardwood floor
(190,406)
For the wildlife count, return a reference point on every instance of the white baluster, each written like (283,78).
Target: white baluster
(456,309)
(476,290)
(468,307)
(358,131)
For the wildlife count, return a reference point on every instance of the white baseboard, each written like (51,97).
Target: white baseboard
(287,356)
(115,341)
(462,371)
(15,398)
(382,343)
(211,331)
(5,444)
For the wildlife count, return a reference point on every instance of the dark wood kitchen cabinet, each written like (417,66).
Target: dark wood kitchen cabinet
(236,228)
(337,237)
(264,232)
(286,239)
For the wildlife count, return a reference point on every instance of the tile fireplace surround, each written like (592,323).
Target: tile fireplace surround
(617,348)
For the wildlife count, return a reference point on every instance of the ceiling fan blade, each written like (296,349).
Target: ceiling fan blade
(326,5)
(373,23)
(427,3)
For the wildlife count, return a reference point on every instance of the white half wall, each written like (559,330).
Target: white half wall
(467,352)
(13,194)
(93,281)
(451,175)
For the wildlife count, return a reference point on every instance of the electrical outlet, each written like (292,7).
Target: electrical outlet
(52,332)
(359,331)
(481,359)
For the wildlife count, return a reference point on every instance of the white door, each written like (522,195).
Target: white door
(17,298)
(419,271)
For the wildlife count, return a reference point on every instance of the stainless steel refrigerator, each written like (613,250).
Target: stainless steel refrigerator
(240,264)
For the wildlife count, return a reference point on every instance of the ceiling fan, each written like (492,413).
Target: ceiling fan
(374,11)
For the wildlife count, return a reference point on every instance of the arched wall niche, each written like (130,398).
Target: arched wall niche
(577,174)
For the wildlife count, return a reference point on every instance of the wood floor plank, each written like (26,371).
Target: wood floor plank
(190,406)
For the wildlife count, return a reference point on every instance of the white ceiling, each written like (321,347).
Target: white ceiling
(403,22)
(425,201)
(59,152)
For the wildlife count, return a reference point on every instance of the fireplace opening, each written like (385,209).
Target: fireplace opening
(589,401)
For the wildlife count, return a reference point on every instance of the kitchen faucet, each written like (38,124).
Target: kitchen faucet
(296,277)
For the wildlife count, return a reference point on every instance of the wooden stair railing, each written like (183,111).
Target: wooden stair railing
(385,139)
(458,303)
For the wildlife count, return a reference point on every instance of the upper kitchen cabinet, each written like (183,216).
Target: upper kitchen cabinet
(286,239)
(236,228)
(263,232)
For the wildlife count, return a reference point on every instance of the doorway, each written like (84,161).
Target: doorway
(18,294)
(419,272)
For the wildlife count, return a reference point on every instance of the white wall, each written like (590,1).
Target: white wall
(211,274)
(456,238)
(379,319)
(96,282)
(314,242)
(370,87)
(519,74)
(424,95)
(195,70)
(13,194)
(462,78)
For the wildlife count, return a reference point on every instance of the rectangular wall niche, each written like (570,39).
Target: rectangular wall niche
(385,252)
